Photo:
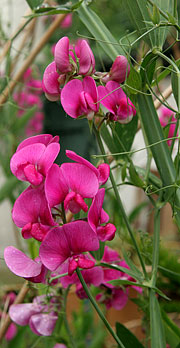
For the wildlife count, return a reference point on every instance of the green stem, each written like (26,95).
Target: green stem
(156,240)
(66,324)
(174,135)
(120,204)
(57,277)
(100,313)
(170,61)
(63,213)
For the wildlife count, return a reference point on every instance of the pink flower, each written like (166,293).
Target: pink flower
(98,218)
(33,158)
(60,345)
(80,98)
(102,171)
(67,22)
(110,295)
(92,276)
(71,183)
(67,64)
(40,316)
(32,213)
(68,243)
(116,101)
(167,116)
(21,265)
(66,61)
(50,83)
(119,70)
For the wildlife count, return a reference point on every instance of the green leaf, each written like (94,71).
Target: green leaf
(108,138)
(147,68)
(6,189)
(136,211)
(33,4)
(138,277)
(123,171)
(133,82)
(156,15)
(129,262)
(98,254)
(99,31)
(156,325)
(22,121)
(136,180)
(127,337)
(172,331)
(123,136)
(165,73)
(138,11)
(175,82)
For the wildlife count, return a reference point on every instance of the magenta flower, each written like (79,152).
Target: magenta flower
(40,316)
(98,218)
(33,158)
(32,213)
(23,266)
(67,64)
(60,345)
(119,71)
(71,183)
(12,329)
(167,116)
(50,83)
(110,295)
(92,276)
(116,101)
(68,243)
(80,98)
(66,61)
(102,171)
(67,22)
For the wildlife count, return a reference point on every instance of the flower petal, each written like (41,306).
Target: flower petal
(21,264)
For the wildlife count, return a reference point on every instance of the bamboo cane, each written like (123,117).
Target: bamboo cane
(31,58)
(19,299)
(9,42)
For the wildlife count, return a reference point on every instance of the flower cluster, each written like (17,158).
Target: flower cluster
(29,97)
(71,79)
(40,211)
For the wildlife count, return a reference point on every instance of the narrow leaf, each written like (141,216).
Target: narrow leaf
(127,337)
(156,324)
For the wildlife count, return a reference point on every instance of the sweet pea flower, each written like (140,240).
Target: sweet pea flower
(119,71)
(115,100)
(71,183)
(110,295)
(40,316)
(98,218)
(66,61)
(65,65)
(166,116)
(92,276)
(32,213)
(102,171)
(80,98)
(67,22)
(12,329)
(68,243)
(23,266)
(33,158)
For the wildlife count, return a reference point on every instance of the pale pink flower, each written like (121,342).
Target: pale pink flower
(39,315)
